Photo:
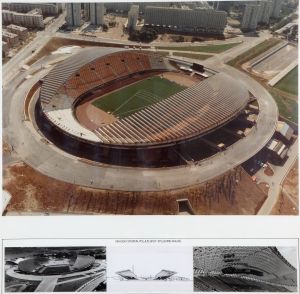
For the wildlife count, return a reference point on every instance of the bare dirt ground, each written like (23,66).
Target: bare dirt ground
(264,187)
(6,148)
(57,42)
(180,78)
(288,200)
(268,171)
(232,193)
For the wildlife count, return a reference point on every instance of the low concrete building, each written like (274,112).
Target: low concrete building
(46,8)
(278,151)
(20,31)
(28,20)
(133,15)
(7,16)
(35,11)
(284,132)
(125,6)
(10,38)
(5,49)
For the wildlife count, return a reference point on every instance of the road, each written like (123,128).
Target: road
(275,181)
(32,277)
(248,43)
(11,68)
(48,283)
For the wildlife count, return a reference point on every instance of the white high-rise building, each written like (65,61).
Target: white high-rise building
(250,16)
(133,15)
(276,8)
(265,11)
(73,17)
(189,20)
(97,13)
(61,7)
(86,11)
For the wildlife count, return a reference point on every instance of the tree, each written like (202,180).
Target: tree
(104,27)
(145,35)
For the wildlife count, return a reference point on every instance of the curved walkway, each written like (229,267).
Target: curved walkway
(51,161)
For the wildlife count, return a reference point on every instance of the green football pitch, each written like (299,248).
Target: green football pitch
(137,96)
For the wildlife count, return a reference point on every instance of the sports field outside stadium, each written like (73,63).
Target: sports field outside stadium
(137,96)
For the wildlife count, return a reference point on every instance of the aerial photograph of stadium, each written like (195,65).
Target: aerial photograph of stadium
(245,269)
(150,108)
(55,269)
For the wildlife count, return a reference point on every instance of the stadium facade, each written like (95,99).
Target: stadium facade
(242,268)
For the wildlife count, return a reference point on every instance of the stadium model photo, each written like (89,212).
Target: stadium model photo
(115,109)
(55,269)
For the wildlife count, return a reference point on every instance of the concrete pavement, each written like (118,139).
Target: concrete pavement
(276,181)
(49,282)
(12,67)
(46,285)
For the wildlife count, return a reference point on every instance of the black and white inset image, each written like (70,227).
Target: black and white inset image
(163,269)
(55,269)
(245,269)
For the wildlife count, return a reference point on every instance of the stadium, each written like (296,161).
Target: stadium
(137,108)
(55,266)
(53,269)
(130,275)
(242,268)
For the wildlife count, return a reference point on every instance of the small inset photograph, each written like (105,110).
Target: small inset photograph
(55,269)
(245,269)
(163,269)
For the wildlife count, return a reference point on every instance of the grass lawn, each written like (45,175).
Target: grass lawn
(288,108)
(253,52)
(163,53)
(137,96)
(192,55)
(289,83)
(205,48)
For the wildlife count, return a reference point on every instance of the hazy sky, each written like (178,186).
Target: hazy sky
(290,253)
